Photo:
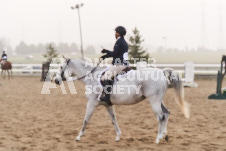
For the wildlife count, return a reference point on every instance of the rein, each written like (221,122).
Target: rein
(84,75)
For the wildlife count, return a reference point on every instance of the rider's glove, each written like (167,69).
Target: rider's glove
(103,57)
(104,51)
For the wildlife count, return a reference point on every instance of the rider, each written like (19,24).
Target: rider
(120,61)
(4,57)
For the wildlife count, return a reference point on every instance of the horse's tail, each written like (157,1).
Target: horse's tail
(177,84)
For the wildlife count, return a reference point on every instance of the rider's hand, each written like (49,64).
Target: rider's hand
(104,51)
(103,57)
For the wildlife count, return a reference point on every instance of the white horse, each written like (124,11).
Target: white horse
(153,87)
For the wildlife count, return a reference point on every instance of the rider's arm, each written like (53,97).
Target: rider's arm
(116,50)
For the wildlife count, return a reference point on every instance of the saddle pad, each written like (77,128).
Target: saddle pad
(122,73)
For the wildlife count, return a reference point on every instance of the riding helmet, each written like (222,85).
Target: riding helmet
(121,30)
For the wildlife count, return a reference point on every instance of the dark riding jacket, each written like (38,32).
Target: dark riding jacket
(120,48)
(4,55)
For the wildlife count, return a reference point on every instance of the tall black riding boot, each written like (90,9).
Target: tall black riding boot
(107,84)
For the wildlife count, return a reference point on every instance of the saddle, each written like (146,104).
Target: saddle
(124,71)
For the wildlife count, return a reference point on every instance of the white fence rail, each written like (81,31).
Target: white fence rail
(36,69)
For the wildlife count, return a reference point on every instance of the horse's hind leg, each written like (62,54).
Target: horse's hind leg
(8,74)
(161,114)
(3,74)
(90,107)
(165,121)
(114,121)
(11,73)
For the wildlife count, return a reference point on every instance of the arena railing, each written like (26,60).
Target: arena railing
(36,69)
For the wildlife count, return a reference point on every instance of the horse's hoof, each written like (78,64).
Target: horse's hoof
(167,138)
(117,139)
(77,139)
(157,141)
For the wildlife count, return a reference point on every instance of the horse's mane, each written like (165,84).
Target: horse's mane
(86,64)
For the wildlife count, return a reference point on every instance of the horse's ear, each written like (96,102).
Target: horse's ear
(65,57)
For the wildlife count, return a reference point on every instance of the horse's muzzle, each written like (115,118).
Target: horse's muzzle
(57,81)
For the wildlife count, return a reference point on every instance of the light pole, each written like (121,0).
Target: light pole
(165,38)
(77,6)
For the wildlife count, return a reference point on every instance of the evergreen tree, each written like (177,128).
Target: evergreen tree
(136,50)
(51,53)
(22,48)
(90,50)
(74,48)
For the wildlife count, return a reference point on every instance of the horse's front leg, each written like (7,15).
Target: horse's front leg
(3,74)
(114,121)
(90,107)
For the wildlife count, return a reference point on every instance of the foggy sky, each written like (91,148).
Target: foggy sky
(181,21)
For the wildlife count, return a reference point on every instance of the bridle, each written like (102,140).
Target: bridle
(62,73)
(68,61)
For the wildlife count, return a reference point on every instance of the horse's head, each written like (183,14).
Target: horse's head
(75,68)
(64,72)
